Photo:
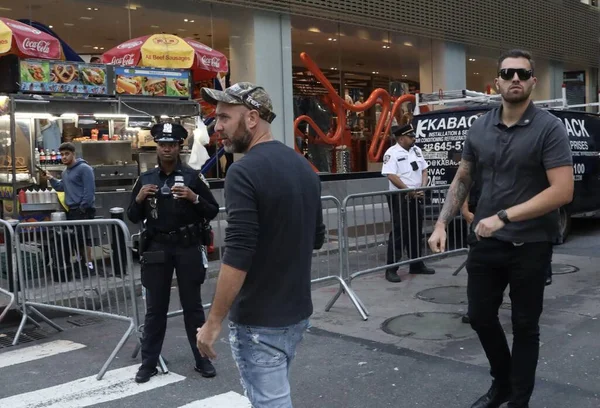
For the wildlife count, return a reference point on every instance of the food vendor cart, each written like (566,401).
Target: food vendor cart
(109,129)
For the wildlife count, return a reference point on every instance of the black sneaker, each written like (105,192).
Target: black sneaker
(391,275)
(205,368)
(494,398)
(144,374)
(421,269)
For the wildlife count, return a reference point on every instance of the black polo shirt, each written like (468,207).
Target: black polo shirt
(512,163)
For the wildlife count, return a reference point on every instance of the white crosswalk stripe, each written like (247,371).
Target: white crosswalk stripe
(32,353)
(88,391)
(228,400)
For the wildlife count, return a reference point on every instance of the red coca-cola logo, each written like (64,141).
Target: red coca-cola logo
(39,46)
(127,59)
(214,62)
(129,45)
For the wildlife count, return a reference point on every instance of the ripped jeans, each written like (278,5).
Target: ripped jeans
(263,356)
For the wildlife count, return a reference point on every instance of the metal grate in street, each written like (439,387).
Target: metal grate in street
(27,336)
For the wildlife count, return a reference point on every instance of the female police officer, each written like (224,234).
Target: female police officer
(175,202)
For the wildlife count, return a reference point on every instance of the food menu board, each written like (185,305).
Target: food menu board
(152,82)
(63,77)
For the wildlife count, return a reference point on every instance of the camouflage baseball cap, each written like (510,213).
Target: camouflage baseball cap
(252,96)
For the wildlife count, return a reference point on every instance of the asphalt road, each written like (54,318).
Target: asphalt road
(331,370)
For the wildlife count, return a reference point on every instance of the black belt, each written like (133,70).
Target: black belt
(187,235)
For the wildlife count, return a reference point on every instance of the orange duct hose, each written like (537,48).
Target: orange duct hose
(378,96)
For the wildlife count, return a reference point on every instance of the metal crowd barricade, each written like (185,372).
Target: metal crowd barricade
(8,281)
(326,266)
(369,225)
(54,273)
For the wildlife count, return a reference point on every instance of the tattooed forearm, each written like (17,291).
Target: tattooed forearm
(458,191)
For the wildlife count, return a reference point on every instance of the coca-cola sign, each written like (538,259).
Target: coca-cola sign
(127,59)
(130,45)
(214,62)
(40,46)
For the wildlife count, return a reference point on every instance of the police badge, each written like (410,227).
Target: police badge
(386,158)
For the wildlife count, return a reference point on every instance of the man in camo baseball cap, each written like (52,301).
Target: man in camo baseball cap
(244,114)
(252,96)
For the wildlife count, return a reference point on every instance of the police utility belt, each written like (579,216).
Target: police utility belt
(188,235)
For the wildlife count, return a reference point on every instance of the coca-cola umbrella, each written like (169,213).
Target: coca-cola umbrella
(168,51)
(26,41)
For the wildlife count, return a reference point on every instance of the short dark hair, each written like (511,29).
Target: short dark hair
(68,146)
(517,53)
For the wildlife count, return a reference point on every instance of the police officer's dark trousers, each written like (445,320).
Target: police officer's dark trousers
(407,219)
(156,278)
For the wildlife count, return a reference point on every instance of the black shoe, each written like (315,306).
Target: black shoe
(206,368)
(392,276)
(421,269)
(144,373)
(466,319)
(548,280)
(494,398)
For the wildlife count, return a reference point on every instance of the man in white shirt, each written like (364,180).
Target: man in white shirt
(405,167)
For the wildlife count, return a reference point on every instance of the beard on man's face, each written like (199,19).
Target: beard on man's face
(514,94)
(239,141)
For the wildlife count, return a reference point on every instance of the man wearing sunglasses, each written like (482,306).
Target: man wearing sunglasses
(523,156)
(274,221)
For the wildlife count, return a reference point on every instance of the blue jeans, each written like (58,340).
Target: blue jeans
(263,356)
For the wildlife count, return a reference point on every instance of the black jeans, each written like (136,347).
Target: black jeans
(407,230)
(491,266)
(157,278)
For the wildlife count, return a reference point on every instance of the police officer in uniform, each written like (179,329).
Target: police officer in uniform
(176,204)
(405,167)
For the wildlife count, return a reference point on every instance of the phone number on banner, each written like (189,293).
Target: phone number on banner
(443,146)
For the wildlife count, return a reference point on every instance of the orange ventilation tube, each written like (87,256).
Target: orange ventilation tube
(378,96)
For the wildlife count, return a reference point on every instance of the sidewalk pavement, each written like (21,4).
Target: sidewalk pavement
(570,325)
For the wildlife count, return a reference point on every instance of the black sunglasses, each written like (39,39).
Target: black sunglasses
(509,73)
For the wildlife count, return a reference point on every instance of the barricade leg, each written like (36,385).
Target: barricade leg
(44,318)
(460,268)
(353,298)
(10,304)
(116,350)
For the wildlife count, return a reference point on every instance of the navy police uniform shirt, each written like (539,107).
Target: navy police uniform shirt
(163,212)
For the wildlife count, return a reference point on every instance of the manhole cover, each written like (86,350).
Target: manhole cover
(84,321)
(563,269)
(428,326)
(447,295)
(27,336)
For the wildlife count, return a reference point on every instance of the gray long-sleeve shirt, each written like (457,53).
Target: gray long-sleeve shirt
(274,221)
(79,185)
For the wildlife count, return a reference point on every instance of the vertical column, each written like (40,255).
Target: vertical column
(591,89)
(442,65)
(550,80)
(261,52)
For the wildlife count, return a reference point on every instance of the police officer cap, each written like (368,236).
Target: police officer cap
(168,132)
(406,130)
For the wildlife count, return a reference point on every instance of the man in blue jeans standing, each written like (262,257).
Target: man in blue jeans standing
(274,221)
